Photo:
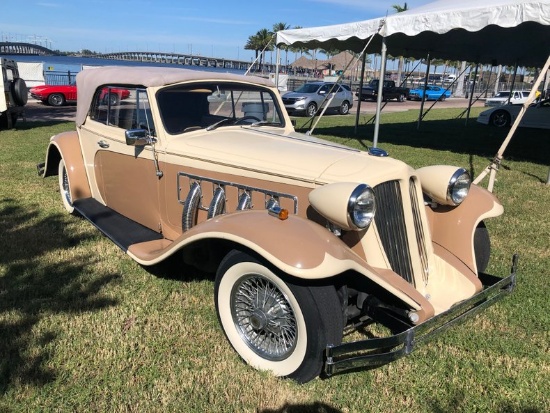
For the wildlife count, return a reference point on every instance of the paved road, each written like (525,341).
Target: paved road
(36,111)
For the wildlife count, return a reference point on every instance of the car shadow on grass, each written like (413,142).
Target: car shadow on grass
(452,135)
(33,287)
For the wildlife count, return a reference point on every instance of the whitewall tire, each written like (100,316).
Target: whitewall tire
(65,187)
(273,323)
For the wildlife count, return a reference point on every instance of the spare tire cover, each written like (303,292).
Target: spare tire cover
(19,92)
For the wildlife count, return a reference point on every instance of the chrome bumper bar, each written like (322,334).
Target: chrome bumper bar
(379,351)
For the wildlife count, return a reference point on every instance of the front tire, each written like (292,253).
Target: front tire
(311,110)
(500,119)
(482,246)
(344,108)
(56,99)
(65,188)
(273,322)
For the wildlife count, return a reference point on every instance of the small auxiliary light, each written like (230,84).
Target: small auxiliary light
(277,211)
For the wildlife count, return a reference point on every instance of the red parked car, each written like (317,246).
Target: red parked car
(59,95)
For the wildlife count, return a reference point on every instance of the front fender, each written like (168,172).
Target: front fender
(297,246)
(66,146)
(453,227)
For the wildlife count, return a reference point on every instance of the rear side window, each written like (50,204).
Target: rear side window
(122,107)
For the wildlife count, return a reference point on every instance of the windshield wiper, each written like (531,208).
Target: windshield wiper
(264,122)
(218,123)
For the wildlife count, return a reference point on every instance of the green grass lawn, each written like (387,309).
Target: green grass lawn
(84,328)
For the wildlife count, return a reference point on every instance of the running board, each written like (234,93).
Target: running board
(121,230)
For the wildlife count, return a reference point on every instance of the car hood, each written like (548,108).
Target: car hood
(296,95)
(294,157)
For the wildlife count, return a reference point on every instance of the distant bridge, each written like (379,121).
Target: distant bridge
(185,59)
(14,48)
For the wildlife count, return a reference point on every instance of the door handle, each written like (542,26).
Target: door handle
(103,144)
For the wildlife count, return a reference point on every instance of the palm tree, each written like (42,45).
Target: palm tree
(400,9)
(260,41)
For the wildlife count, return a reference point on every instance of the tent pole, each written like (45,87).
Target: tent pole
(513,83)
(380,92)
(277,67)
(362,78)
(425,87)
(493,167)
(471,94)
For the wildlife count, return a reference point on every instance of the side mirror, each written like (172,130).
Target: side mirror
(138,137)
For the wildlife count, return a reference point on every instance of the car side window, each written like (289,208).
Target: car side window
(122,107)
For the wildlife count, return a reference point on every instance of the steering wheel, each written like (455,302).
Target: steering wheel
(247,117)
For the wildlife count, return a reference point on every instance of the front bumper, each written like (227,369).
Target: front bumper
(379,351)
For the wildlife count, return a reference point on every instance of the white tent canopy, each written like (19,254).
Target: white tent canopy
(499,32)
(506,32)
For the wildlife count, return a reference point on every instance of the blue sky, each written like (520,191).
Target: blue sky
(211,28)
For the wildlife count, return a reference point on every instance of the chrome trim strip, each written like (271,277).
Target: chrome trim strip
(242,188)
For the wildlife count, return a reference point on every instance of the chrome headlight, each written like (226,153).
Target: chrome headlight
(446,185)
(346,205)
(459,186)
(361,206)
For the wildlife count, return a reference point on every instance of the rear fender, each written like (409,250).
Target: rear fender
(66,146)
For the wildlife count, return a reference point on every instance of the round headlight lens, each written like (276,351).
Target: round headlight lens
(459,186)
(361,206)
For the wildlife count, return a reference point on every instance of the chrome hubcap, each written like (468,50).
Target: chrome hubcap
(264,318)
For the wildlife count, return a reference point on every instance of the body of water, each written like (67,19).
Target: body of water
(75,64)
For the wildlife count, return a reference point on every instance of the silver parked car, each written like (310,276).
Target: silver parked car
(309,98)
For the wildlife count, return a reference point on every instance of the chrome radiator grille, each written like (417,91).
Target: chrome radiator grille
(390,223)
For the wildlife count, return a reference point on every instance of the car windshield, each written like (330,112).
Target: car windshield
(502,94)
(309,88)
(209,105)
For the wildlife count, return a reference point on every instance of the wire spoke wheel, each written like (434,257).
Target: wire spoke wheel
(264,317)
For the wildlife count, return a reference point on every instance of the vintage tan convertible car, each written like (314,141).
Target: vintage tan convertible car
(305,238)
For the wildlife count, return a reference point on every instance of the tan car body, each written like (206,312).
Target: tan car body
(299,170)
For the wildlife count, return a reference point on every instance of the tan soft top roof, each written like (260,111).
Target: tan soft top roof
(89,80)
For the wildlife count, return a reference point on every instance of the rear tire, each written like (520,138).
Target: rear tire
(112,99)
(274,322)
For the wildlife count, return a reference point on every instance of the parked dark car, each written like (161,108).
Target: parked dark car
(389,91)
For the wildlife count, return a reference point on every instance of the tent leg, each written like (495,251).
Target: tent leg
(362,79)
(420,115)
(471,94)
(380,92)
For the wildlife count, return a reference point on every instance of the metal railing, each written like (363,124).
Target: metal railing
(59,77)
